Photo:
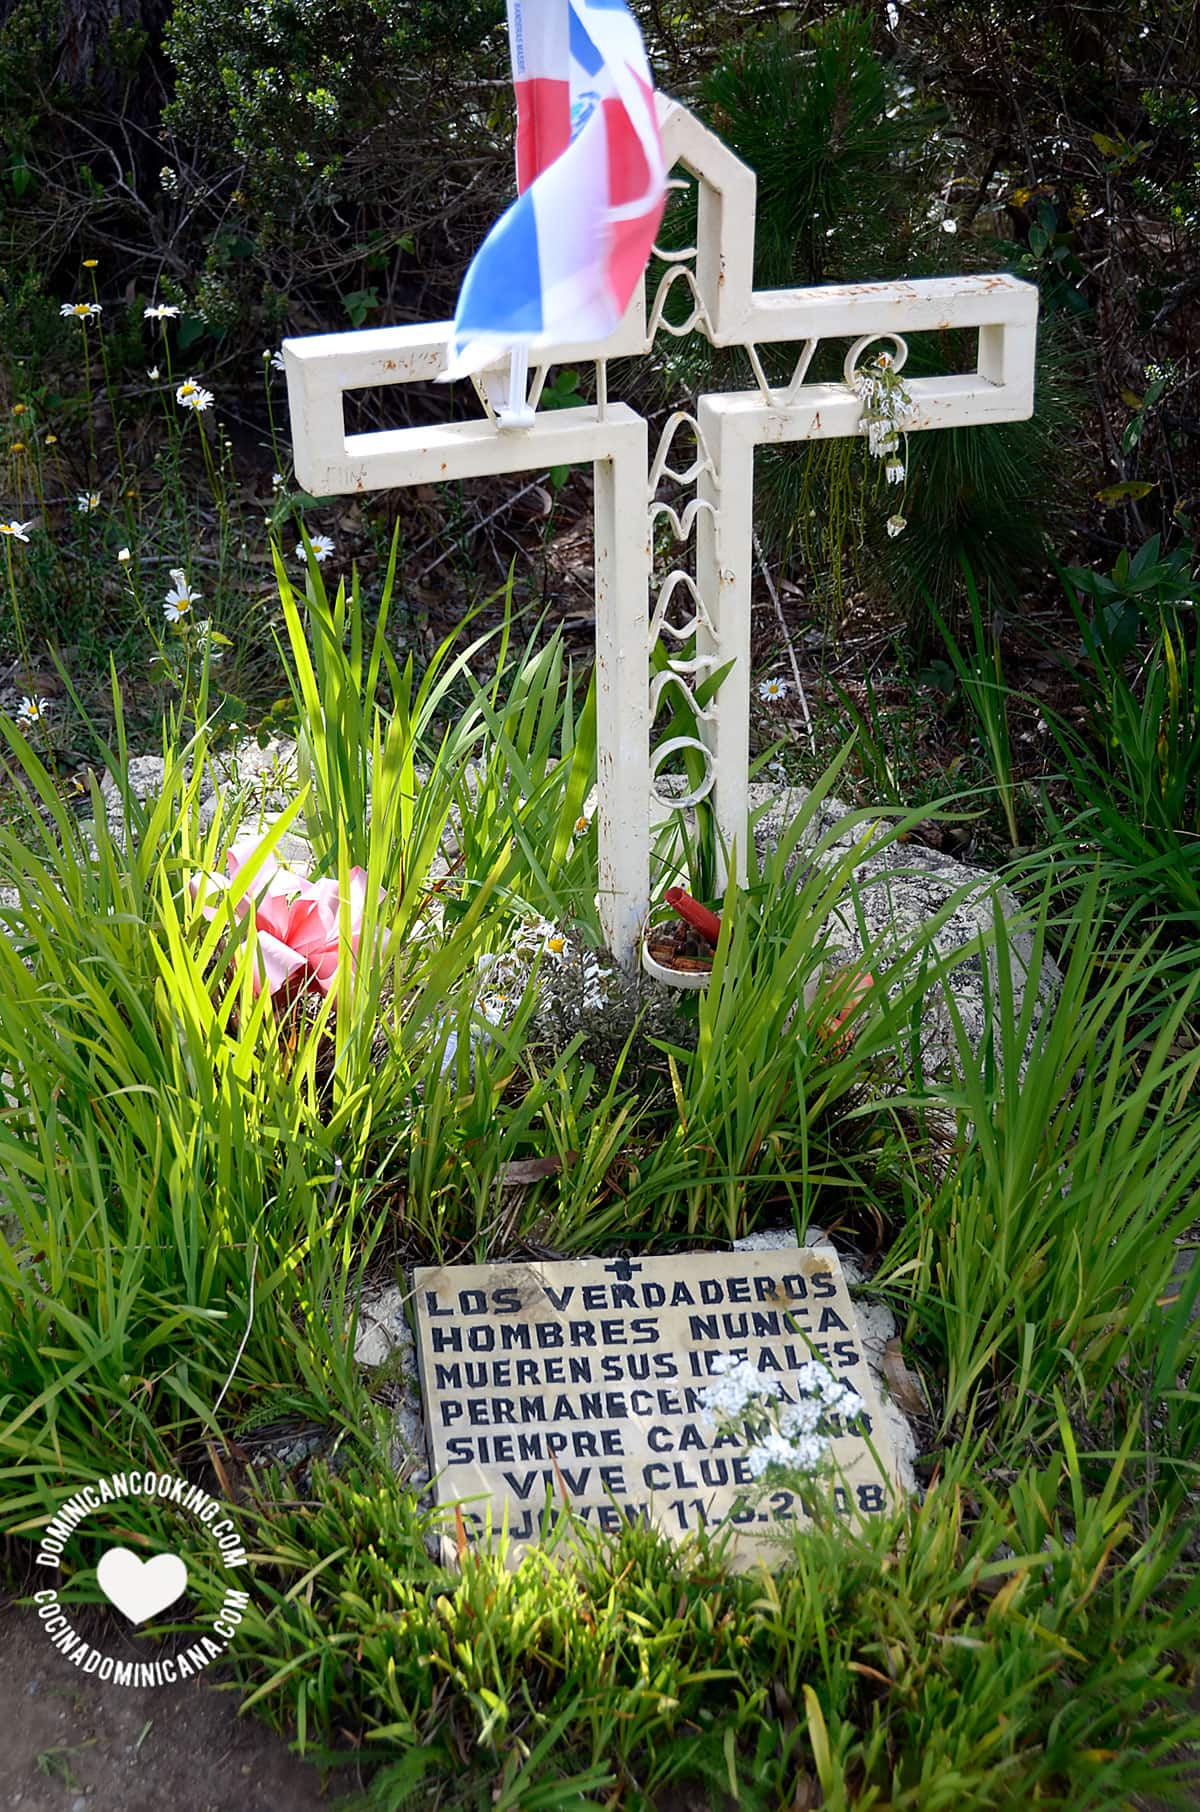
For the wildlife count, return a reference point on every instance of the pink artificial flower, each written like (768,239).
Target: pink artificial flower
(297,922)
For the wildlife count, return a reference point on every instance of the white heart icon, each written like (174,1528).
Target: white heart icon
(140,1588)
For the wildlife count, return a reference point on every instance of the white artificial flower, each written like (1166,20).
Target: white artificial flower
(18,530)
(31,710)
(772,689)
(896,525)
(191,395)
(87,501)
(160,311)
(79,311)
(180,598)
(322,547)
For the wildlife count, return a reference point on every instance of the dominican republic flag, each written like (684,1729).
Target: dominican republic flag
(560,266)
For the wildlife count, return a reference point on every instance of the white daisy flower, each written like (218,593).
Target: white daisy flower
(31,710)
(277,363)
(896,525)
(772,689)
(18,530)
(191,395)
(583,824)
(180,598)
(894,471)
(87,501)
(555,945)
(152,374)
(322,547)
(79,311)
(160,311)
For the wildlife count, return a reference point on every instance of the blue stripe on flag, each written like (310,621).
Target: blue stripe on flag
(502,291)
(582,48)
(608,6)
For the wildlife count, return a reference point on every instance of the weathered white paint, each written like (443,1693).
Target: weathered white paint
(717,275)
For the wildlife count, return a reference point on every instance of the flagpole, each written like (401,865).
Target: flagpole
(516,413)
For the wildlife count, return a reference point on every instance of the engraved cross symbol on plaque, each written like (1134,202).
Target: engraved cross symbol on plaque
(622,1269)
(717,274)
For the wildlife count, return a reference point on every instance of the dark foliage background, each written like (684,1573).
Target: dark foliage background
(278,166)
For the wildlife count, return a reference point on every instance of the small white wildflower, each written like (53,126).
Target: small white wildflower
(322,547)
(191,395)
(124,556)
(160,311)
(87,501)
(277,481)
(582,824)
(894,471)
(555,945)
(492,1006)
(772,689)
(896,525)
(277,362)
(31,710)
(893,16)
(18,530)
(152,374)
(180,597)
(739,1386)
(169,179)
(949,226)
(772,1450)
(79,311)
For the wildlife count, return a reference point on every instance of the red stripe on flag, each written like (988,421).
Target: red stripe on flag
(628,178)
(543,126)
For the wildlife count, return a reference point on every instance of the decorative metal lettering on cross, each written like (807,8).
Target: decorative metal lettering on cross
(633,799)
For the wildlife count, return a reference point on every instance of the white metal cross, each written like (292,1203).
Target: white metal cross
(717,274)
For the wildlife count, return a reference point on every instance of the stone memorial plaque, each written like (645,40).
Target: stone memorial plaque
(581,1380)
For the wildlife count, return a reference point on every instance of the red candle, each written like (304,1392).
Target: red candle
(694,914)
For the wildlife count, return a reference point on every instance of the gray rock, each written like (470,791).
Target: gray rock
(263,781)
(893,893)
(384,1345)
